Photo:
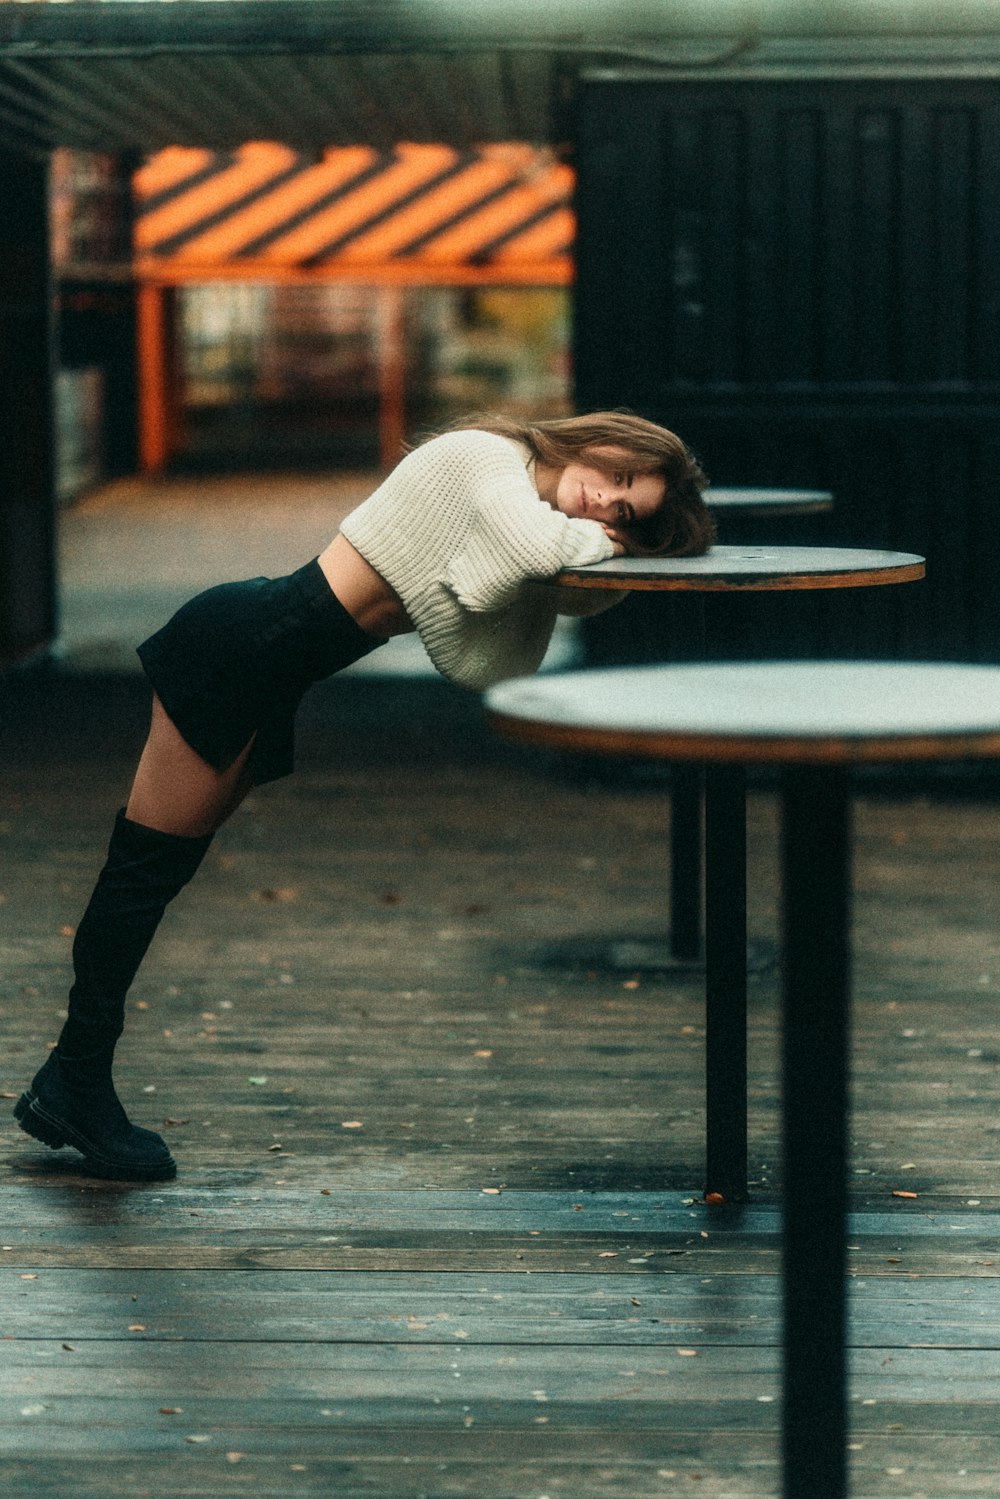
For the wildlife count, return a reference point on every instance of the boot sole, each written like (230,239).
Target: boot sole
(56,1133)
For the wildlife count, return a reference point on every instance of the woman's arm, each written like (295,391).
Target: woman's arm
(515,538)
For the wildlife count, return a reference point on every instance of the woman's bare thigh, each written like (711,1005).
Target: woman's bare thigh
(175,790)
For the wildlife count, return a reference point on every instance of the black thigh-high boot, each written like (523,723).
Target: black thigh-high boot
(72,1100)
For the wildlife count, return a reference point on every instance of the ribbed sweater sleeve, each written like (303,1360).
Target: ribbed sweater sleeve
(514,536)
(458,530)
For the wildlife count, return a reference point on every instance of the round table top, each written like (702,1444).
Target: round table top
(751,501)
(827,712)
(747,567)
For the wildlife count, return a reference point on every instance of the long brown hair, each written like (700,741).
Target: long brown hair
(682,527)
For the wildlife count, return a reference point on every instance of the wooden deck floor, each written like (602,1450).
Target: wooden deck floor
(437,1227)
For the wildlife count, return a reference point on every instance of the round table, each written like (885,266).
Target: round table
(729,569)
(814,721)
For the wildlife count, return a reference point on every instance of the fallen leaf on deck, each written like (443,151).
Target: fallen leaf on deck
(352,1124)
(903,1194)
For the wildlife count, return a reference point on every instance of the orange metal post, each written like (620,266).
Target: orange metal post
(391,376)
(154,377)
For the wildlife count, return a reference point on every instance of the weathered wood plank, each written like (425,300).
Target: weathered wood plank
(497,1374)
(564,1309)
(266,1225)
(719,1465)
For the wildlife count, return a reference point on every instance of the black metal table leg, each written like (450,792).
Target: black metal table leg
(816,876)
(686,849)
(726,982)
(685,864)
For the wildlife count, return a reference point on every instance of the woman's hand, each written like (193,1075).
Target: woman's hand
(617,538)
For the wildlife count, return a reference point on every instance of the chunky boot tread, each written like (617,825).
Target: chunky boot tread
(36,1121)
(35,1124)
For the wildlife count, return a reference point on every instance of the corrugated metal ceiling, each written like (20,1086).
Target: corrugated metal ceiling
(118,103)
(123,75)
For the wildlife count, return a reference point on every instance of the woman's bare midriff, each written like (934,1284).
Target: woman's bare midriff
(364,593)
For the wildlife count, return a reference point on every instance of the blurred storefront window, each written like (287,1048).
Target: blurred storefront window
(290,375)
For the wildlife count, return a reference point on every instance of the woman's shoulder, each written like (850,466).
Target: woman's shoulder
(471,445)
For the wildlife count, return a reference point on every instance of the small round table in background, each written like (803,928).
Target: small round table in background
(727,569)
(814,721)
(727,500)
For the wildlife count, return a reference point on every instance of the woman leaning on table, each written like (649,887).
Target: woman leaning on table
(456,544)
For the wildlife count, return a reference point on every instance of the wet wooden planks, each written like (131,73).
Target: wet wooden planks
(410,1101)
(652,1369)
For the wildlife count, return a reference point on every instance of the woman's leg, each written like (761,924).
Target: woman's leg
(176,791)
(159,840)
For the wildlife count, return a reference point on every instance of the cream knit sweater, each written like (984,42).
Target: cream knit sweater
(458,530)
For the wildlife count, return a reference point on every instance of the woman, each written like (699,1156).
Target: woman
(457,544)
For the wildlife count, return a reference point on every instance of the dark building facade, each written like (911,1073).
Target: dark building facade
(803,279)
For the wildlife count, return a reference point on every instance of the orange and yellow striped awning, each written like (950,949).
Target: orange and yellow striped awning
(416,214)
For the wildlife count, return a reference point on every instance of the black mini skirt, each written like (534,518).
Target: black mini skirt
(234,662)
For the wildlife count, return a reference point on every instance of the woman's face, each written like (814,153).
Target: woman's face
(606,490)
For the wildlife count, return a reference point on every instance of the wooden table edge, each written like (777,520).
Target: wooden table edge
(908,572)
(720,748)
